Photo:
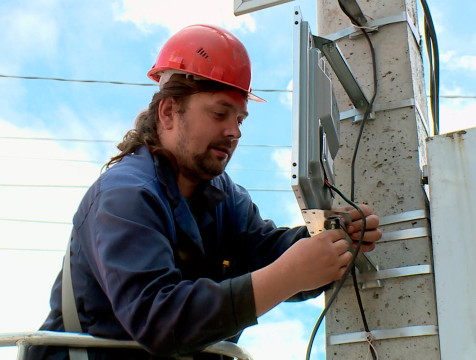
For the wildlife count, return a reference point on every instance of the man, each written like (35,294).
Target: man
(168,251)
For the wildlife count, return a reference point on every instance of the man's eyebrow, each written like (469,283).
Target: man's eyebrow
(231,106)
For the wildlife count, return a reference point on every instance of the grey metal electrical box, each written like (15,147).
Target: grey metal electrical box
(315,123)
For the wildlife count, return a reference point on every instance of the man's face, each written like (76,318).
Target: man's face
(207,133)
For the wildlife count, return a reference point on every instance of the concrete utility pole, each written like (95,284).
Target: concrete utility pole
(402,312)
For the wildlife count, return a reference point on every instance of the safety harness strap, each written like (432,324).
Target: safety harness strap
(68,307)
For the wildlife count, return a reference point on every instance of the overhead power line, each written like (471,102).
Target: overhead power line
(55,139)
(60,186)
(457,96)
(75,80)
(37,221)
(30,249)
(109,82)
(53,159)
(99,162)
(153,84)
(115,141)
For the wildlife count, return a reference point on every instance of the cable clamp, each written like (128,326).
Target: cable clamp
(370,338)
(367,29)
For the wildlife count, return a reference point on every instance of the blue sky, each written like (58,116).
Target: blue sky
(118,41)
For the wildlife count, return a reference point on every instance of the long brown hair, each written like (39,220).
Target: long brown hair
(145,131)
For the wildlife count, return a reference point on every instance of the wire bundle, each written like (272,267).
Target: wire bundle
(432,49)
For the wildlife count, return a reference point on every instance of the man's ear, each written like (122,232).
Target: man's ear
(166,112)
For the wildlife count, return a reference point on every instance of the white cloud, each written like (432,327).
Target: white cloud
(454,61)
(175,15)
(33,162)
(467,62)
(27,278)
(447,56)
(285,340)
(317,302)
(287,98)
(455,91)
(282,158)
(457,115)
(294,217)
(30,32)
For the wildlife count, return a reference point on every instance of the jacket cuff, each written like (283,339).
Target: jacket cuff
(243,301)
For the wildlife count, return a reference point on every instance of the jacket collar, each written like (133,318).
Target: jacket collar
(206,195)
(209,194)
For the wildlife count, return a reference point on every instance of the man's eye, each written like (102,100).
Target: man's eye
(219,115)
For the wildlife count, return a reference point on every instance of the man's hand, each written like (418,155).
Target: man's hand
(308,264)
(372,232)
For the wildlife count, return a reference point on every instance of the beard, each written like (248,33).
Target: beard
(203,166)
(208,167)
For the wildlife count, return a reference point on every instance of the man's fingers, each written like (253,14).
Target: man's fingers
(342,246)
(370,236)
(354,213)
(336,234)
(365,247)
(346,259)
(371,222)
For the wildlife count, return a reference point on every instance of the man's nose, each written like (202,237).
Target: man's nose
(233,128)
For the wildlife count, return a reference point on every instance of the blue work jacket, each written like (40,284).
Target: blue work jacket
(171,273)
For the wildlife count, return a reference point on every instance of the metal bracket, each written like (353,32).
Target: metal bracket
(402,217)
(383,334)
(395,273)
(424,175)
(342,70)
(354,32)
(404,234)
(358,113)
(423,119)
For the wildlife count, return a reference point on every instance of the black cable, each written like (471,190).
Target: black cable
(354,158)
(432,50)
(366,115)
(344,277)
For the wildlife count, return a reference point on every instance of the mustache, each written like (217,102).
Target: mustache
(226,143)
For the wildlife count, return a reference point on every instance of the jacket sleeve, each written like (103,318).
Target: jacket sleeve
(130,232)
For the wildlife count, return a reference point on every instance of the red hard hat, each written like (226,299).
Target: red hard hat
(207,51)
